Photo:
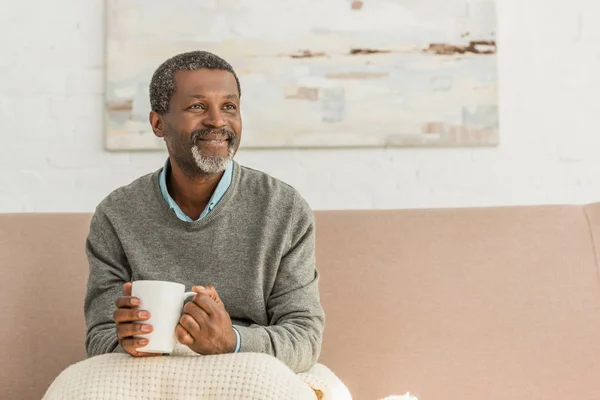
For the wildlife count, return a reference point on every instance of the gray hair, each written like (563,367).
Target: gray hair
(162,84)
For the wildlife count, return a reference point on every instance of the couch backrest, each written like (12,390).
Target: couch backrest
(470,304)
(492,303)
(42,286)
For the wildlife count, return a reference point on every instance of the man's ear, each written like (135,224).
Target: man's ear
(156,123)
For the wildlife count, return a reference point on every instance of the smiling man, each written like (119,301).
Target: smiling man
(241,239)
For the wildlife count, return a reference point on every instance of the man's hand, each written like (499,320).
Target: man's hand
(125,316)
(206,326)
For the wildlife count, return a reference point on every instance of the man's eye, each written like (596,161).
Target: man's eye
(230,107)
(196,106)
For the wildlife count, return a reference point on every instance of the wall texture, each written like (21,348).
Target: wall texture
(52,156)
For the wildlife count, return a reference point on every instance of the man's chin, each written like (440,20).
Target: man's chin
(210,164)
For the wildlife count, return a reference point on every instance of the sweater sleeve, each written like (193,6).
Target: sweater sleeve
(108,271)
(296,318)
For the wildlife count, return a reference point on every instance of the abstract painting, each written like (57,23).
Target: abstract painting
(318,74)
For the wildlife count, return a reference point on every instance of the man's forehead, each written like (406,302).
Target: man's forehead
(205,80)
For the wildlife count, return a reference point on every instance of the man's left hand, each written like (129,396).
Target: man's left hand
(206,326)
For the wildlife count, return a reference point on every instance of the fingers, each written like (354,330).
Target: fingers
(131,345)
(183,336)
(210,291)
(122,315)
(127,302)
(191,324)
(127,288)
(205,302)
(125,317)
(198,312)
(130,330)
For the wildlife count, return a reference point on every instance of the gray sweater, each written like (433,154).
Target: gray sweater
(256,247)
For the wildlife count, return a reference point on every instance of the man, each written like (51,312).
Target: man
(241,239)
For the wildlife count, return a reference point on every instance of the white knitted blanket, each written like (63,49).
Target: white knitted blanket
(183,376)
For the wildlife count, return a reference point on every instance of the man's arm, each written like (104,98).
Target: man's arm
(109,270)
(297,320)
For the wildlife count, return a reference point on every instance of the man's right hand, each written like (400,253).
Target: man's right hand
(126,317)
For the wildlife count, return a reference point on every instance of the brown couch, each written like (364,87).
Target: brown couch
(490,303)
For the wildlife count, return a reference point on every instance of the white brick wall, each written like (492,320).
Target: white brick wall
(52,156)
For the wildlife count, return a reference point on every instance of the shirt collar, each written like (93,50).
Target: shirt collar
(220,190)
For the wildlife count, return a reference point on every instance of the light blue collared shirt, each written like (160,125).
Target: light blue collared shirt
(220,190)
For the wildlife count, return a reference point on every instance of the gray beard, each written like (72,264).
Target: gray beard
(212,165)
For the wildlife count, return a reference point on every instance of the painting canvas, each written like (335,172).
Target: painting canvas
(318,73)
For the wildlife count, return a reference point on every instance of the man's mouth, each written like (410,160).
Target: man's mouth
(214,140)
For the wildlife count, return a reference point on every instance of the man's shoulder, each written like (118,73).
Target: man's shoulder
(253,178)
(267,186)
(130,196)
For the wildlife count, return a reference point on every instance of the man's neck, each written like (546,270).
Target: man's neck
(191,195)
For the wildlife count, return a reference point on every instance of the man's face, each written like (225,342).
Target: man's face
(203,126)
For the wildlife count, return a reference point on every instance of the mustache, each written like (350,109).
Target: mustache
(204,133)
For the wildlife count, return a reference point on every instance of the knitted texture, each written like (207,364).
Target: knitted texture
(325,383)
(256,247)
(228,376)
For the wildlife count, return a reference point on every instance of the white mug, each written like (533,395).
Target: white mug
(164,301)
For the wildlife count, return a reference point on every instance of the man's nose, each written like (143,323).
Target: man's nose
(214,119)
